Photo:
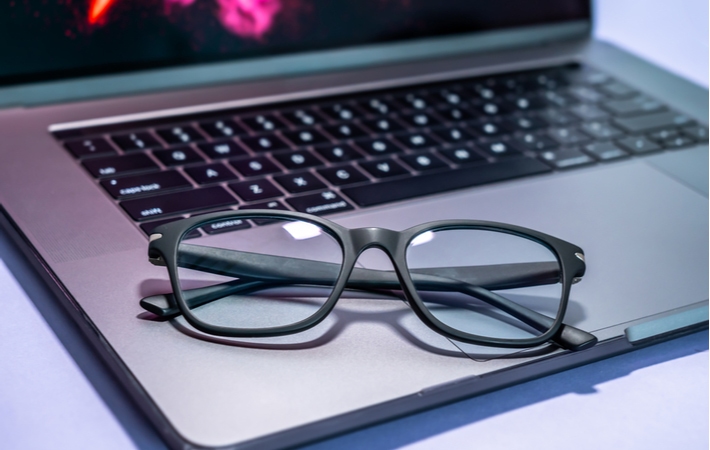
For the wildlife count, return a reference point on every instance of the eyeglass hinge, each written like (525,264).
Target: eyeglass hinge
(157,261)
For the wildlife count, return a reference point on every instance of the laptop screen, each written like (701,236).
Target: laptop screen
(68,38)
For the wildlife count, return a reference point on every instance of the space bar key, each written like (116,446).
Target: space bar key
(390,191)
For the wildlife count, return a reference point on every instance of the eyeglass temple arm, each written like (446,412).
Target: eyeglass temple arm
(290,270)
(271,271)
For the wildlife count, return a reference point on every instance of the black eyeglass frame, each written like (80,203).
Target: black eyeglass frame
(163,250)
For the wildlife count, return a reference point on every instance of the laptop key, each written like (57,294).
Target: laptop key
(415,101)
(420,119)
(527,123)
(488,128)
(119,165)
(177,203)
(696,132)
(379,146)
(222,149)
(423,161)
(678,142)
(383,125)
(436,182)
(150,183)
(183,134)
(384,168)
(339,153)
(487,92)
(223,128)
(340,112)
(89,147)
(340,176)
(497,148)
(585,111)
(273,204)
(456,114)
(664,134)
(651,122)
(566,158)
(255,190)
(453,135)
(376,106)
(255,166)
(451,97)
(298,159)
(416,140)
(634,106)
(326,202)
(226,225)
(639,144)
(492,108)
(601,130)
(605,151)
(559,117)
(586,94)
(536,142)
(617,90)
(527,103)
(178,156)
(560,99)
(211,173)
(136,141)
(303,117)
(305,137)
(263,122)
(345,131)
(462,155)
(568,135)
(264,143)
(300,182)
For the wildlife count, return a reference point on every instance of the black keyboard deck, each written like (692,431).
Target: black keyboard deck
(340,153)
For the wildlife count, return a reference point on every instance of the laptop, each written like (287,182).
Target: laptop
(118,118)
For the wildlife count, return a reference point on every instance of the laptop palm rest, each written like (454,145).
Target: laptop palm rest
(619,214)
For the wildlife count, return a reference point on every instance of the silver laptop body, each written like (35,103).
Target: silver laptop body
(642,221)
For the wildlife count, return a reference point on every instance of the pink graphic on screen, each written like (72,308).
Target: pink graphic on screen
(245,18)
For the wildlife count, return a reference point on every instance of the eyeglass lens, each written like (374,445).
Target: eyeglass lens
(488,272)
(231,268)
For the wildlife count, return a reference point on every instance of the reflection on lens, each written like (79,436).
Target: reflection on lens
(486,283)
(258,272)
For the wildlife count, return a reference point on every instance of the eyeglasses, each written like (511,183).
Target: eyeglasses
(262,273)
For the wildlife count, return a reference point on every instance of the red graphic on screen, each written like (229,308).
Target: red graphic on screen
(97,9)
(245,18)
(248,18)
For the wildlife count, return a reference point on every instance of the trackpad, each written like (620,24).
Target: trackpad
(644,234)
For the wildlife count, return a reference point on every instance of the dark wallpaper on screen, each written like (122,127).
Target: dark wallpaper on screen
(42,39)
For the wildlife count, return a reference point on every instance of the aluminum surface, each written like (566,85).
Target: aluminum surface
(216,392)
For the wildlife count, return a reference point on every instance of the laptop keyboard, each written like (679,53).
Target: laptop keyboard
(335,154)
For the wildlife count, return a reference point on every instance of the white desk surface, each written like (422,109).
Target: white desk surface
(53,394)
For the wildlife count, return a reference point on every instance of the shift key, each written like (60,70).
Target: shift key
(642,124)
(178,203)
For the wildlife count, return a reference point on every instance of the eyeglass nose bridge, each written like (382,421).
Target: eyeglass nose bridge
(374,237)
